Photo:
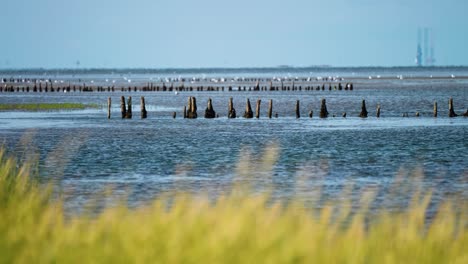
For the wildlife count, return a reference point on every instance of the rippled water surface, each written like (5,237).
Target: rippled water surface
(84,152)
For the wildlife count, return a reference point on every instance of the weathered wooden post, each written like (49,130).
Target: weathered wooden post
(185,111)
(129,108)
(311,113)
(192,108)
(451,111)
(123,109)
(417,114)
(174,115)
(270,108)
(257,109)
(231,110)
(143,108)
(378,110)
(435,109)
(248,110)
(344,114)
(109,108)
(189,106)
(363,113)
(323,109)
(298,114)
(209,112)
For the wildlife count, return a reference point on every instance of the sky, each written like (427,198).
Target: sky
(217,33)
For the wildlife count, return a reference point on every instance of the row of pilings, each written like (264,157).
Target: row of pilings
(190,110)
(179,88)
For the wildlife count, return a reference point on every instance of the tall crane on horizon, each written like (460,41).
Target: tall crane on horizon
(428,46)
(418,59)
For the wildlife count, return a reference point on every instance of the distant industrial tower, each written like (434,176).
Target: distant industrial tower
(418,51)
(428,52)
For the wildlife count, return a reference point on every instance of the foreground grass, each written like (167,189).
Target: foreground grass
(236,228)
(45,106)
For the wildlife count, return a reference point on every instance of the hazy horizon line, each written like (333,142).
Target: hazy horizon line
(13,69)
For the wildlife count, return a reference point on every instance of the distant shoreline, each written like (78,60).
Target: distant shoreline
(279,69)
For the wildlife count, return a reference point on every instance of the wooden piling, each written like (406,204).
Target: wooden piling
(143,108)
(109,108)
(192,108)
(435,109)
(298,114)
(248,110)
(185,111)
(257,109)
(451,111)
(270,108)
(363,113)
(231,110)
(174,115)
(129,108)
(123,109)
(323,109)
(209,111)
(311,113)
(378,110)
(344,114)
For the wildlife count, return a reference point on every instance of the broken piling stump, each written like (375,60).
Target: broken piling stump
(378,110)
(231,110)
(108,108)
(323,109)
(311,113)
(435,109)
(363,113)
(257,109)
(298,113)
(192,108)
(270,108)
(129,108)
(143,108)
(209,112)
(185,111)
(248,110)
(123,109)
(451,111)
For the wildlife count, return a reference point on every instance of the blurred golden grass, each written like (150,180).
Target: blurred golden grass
(237,227)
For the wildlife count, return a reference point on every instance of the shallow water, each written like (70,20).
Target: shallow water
(85,153)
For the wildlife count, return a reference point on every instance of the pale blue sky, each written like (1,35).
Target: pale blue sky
(216,33)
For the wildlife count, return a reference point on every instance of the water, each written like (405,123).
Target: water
(84,153)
